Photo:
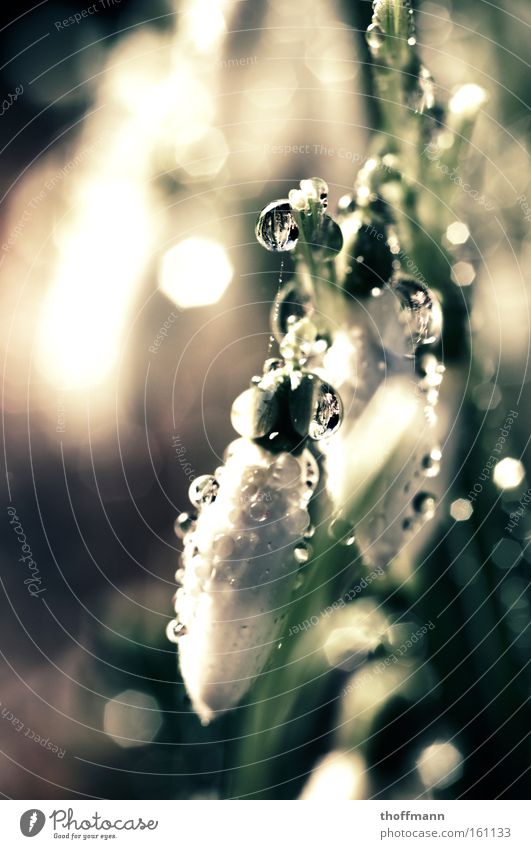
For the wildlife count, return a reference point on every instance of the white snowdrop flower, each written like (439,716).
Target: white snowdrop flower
(240,572)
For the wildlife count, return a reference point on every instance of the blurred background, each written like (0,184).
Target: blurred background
(138,143)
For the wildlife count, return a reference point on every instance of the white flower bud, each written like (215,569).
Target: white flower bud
(239,572)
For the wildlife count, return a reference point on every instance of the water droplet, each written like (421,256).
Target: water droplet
(302,553)
(342,531)
(309,532)
(431,463)
(184,523)
(297,520)
(258,511)
(424,505)
(420,313)
(254,412)
(276,228)
(286,470)
(175,630)
(299,342)
(272,364)
(203,490)
(328,413)
(223,545)
(375,36)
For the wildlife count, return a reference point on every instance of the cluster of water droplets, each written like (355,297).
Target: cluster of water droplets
(244,546)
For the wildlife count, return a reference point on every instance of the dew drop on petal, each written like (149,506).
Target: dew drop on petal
(276,228)
(286,470)
(420,313)
(328,413)
(258,511)
(302,553)
(424,505)
(203,490)
(175,630)
(272,364)
(184,523)
(375,36)
(431,463)
(223,545)
(297,520)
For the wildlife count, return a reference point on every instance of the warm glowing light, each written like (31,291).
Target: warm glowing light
(440,765)
(461,510)
(206,156)
(508,473)
(195,272)
(467,100)
(132,718)
(457,233)
(337,777)
(463,273)
(101,260)
(204,24)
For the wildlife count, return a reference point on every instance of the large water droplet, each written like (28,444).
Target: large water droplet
(203,490)
(184,523)
(420,313)
(328,413)
(254,412)
(276,228)
(375,36)
(424,505)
